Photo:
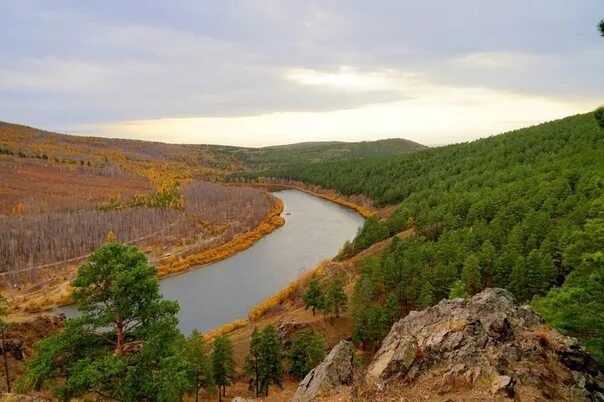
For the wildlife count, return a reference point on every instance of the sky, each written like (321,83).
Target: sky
(263,72)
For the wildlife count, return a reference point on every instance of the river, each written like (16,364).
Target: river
(221,292)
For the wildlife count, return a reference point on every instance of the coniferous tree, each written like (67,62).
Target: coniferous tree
(200,364)
(486,260)
(426,296)
(223,364)
(519,280)
(313,297)
(471,274)
(576,307)
(391,308)
(458,290)
(271,359)
(125,344)
(253,359)
(336,300)
(535,277)
(307,351)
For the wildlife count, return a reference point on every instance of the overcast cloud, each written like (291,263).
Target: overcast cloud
(270,72)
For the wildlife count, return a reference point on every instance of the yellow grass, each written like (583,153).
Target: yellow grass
(292,289)
(239,243)
(225,329)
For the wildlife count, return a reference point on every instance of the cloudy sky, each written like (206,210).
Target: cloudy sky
(272,72)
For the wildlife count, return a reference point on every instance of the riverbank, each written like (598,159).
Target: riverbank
(364,210)
(60,294)
(285,309)
(239,243)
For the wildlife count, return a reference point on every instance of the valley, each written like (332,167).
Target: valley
(318,201)
(426,241)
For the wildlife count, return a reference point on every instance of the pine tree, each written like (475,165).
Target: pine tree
(223,364)
(253,359)
(470,274)
(518,279)
(391,308)
(487,263)
(199,360)
(336,300)
(458,290)
(271,359)
(125,344)
(307,351)
(314,297)
(426,296)
(535,277)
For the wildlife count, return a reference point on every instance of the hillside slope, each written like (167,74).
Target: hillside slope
(313,152)
(523,211)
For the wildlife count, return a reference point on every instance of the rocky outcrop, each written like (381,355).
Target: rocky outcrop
(489,345)
(335,370)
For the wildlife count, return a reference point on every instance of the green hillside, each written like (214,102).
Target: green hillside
(523,210)
(313,152)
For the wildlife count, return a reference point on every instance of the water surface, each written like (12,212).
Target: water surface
(221,292)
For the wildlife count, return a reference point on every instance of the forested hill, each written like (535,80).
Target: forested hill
(565,145)
(313,152)
(523,210)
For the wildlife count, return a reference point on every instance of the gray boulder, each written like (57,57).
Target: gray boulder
(335,370)
(488,343)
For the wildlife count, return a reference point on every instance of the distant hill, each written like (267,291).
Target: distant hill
(315,152)
(47,171)
(44,171)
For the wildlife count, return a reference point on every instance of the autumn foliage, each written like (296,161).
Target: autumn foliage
(294,289)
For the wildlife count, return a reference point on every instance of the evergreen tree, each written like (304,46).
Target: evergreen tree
(470,274)
(336,299)
(376,327)
(253,359)
(314,297)
(223,364)
(391,308)
(200,364)
(307,351)
(486,259)
(426,296)
(518,279)
(503,267)
(535,278)
(125,344)
(458,290)
(576,307)
(271,359)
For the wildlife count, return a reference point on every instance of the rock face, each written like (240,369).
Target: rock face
(335,370)
(488,344)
